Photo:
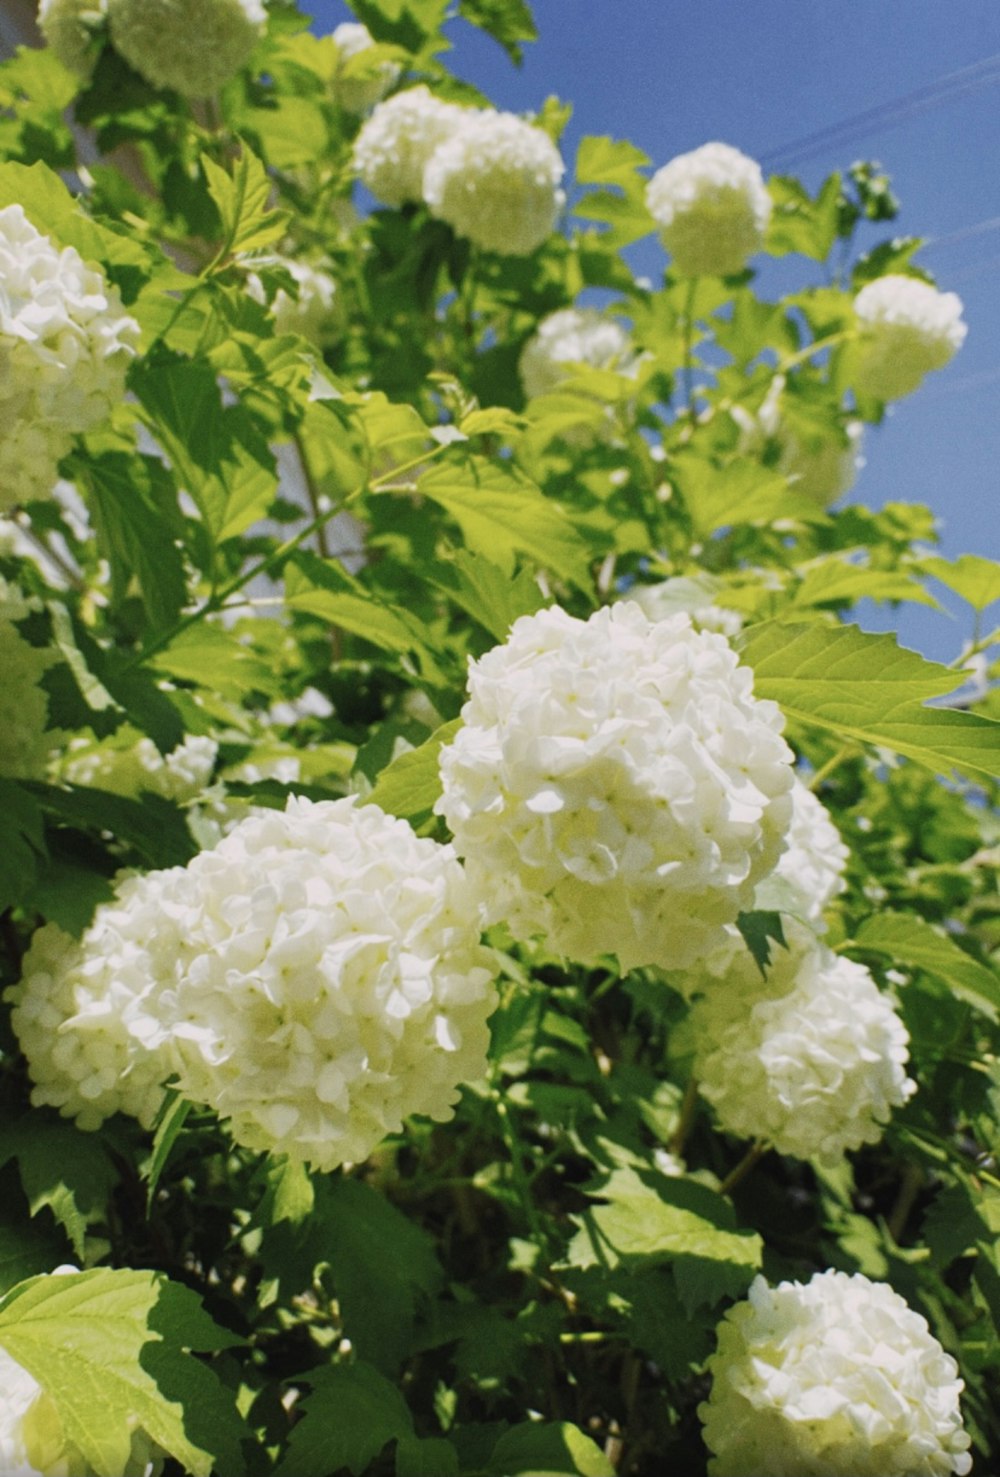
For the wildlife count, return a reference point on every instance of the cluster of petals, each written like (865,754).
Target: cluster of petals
(813,864)
(310,311)
(712,207)
(811,1060)
(820,468)
(356,94)
(495,181)
(70,28)
(395,144)
(834,1377)
(65,346)
(570,337)
(192,47)
(906,328)
(314,979)
(24,741)
(692,594)
(615,787)
(132,765)
(33,1440)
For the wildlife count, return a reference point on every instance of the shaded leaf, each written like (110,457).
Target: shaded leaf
(538,1447)
(351,1414)
(23,831)
(508,21)
(242,200)
(62,1170)
(909,940)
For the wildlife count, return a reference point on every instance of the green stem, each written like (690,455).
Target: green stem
(312,492)
(512,1143)
(688,331)
(825,770)
(737,1175)
(689,1108)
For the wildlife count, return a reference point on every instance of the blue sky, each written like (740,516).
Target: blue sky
(670,76)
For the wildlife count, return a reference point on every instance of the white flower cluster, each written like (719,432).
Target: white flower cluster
(692,594)
(815,860)
(907,328)
(357,94)
(190,46)
(393,148)
(24,742)
(65,345)
(616,787)
(33,1440)
(491,176)
(568,337)
(79,1009)
(812,1060)
(130,764)
(310,312)
(712,207)
(314,979)
(70,27)
(823,468)
(835,1377)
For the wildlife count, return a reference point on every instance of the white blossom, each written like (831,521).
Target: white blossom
(33,1440)
(65,345)
(615,786)
(812,1060)
(495,181)
(130,764)
(193,47)
(906,328)
(835,1377)
(712,207)
(395,143)
(694,595)
(78,1007)
(358,94)
(24,742)
(569,337)
(816,858)
(310,312)
(71,27)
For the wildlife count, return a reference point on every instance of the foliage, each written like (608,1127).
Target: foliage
(290,549)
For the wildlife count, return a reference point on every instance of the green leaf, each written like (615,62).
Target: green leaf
(760,928)
(601,160)
(742,493)
(432,1457)
(909,940)
(152,826)
(351,1414)
(242,199)
(218,451)
(508,21)
(61,1170)
(410,786)
(681,1222)
(538,1447)
(836,581)
(324,588)
(66,893)
(976,580)
(213,656)
(22,829)
(27,1248)
(407,23)
(136,515)
(799,223)
(869,689)
(502,514)
(109,1348)
(484,591)
(169,1122)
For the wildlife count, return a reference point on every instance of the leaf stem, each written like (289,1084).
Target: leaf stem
(689,1107)
(834,762)
(737,1175)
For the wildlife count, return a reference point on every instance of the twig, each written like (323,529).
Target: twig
(736,1176)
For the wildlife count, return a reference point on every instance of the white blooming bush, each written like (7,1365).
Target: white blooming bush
(474,893)
(712,208)
(832,1377)
(65,345)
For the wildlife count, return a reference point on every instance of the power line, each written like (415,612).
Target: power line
(984,73)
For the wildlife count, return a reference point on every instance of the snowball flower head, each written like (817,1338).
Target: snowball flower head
(310,312)
(495,181)
(813,1061)
(24,742)
(358,94)
(331,981)
(569,337)
(65,345)
(191,46)
(33,1441)
(70,28)
(615,786)
(835,1377)
(816,858)
(906,328)
(132,765)
(78,1010)
(395,143)
(712,207)
(693,594)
